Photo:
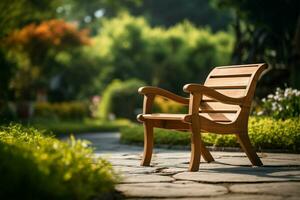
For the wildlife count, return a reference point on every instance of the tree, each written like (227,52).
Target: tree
(170,12)
(268,31)
(36,48)
(128,47)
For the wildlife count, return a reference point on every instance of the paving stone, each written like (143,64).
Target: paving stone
(134,170)
(172,170)
(284,189)
(170,190)
(125,162)
(146,178)
(236,161)
(122,156)
(280,162)
(240,174)
(227,197)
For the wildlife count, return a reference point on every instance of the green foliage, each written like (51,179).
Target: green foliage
(34,166)
(128,47)
(164,105)
(170,12)
(261,35)
(63,110)
(121,99)
(265,133)
(37,50)
(281,105)
(63,127)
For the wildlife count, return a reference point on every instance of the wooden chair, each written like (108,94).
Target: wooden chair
(221,105)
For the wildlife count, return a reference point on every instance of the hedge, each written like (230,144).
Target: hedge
(35,166)
(62,110)
(265,133)
(121,99)
(128,47)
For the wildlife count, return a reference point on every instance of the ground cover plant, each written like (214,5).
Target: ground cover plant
(264,132)
(35,166)
(63,127)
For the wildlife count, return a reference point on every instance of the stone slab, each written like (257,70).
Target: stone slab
(283,189)
(226,197)
(134,170)
(146,178)
(164,190)
(241,175)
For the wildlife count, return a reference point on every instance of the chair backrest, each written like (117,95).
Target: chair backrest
(233,81)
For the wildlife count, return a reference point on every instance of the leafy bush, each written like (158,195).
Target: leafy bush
(129,47)
(121,99)
(34,166)
(281,105)
(62,127)
(165,105)
(265,133)
(64,110)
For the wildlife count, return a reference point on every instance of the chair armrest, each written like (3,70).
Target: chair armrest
(148,90)
(210,92)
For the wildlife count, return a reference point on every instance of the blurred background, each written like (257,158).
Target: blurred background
(71,61)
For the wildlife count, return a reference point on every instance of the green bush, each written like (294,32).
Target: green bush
(164,105)
(63,110)
(121,99)
(129,47)
(34,166)
(61,127)
(265,133)
(281,105)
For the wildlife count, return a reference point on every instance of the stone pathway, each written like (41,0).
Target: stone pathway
(230,177)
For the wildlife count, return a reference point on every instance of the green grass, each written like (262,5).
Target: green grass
(59,127)
(265,133)
(38,166)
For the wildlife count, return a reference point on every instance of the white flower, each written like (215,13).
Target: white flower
(260,113)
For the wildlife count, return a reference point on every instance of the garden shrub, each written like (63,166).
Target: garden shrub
(285,103)
(121,99)
(35,166)
(166,57)
(62,110)
(265,133)
(164,105)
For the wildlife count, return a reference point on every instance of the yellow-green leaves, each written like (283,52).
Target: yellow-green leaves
(42,167)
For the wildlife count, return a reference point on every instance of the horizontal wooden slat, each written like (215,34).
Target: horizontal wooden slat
(230,76)
(243,70)
(235,93)
(240,66)
(217,107)
(236,81)
(219,117)
(228,87)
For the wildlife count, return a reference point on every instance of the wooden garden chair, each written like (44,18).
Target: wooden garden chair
(221,105)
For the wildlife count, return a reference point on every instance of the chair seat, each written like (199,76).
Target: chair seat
(215,117)
(165,116)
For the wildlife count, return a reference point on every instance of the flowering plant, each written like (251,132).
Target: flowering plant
(281,105)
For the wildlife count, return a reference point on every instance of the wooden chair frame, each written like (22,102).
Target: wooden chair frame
(199,115)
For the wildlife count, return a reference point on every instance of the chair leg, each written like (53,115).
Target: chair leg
(195,147)
(205,152)
(244,141)
(148,144)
